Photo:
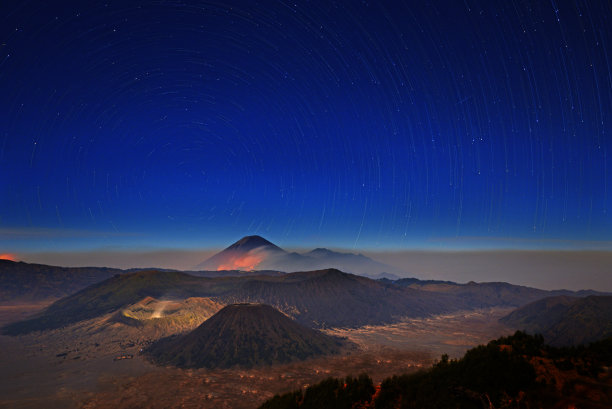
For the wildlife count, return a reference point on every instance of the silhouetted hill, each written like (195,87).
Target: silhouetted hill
(519,371)
(38,281)
(26,281)
(333,298)
(356,263)
(538,316)
(384,276)
(418,283)
(233,273)
(244,335)
(565,320)
(483,295)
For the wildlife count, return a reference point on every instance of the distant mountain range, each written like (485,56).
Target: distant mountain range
(24,281)
(564,320)
(257,253)
(318,299)
(483,295)
(244,335)
(315,298)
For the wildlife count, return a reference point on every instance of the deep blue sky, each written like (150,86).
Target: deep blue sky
(347,124)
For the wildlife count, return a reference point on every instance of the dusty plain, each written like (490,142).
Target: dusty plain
(81,367)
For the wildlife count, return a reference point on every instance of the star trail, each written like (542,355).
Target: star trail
(350,124)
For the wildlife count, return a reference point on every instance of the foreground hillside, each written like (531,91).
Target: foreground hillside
(244,335)
(519,371)
(565,321)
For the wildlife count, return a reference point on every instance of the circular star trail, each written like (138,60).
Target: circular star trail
(354,124)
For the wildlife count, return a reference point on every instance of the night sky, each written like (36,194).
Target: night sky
(381,125)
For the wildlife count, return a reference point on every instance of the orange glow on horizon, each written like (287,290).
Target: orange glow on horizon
(248,262)
(7,256)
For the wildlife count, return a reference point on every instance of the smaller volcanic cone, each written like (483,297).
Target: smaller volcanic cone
(244,335)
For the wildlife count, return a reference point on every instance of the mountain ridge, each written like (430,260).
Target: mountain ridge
(565,321)
(320,298)
(29,281)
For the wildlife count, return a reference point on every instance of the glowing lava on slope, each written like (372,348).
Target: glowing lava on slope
(7,256)
(247,262)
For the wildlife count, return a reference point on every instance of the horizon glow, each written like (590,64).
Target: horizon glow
(367,127)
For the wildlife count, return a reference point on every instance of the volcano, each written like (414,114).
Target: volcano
(245,254)
(257,253)
(244,335)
